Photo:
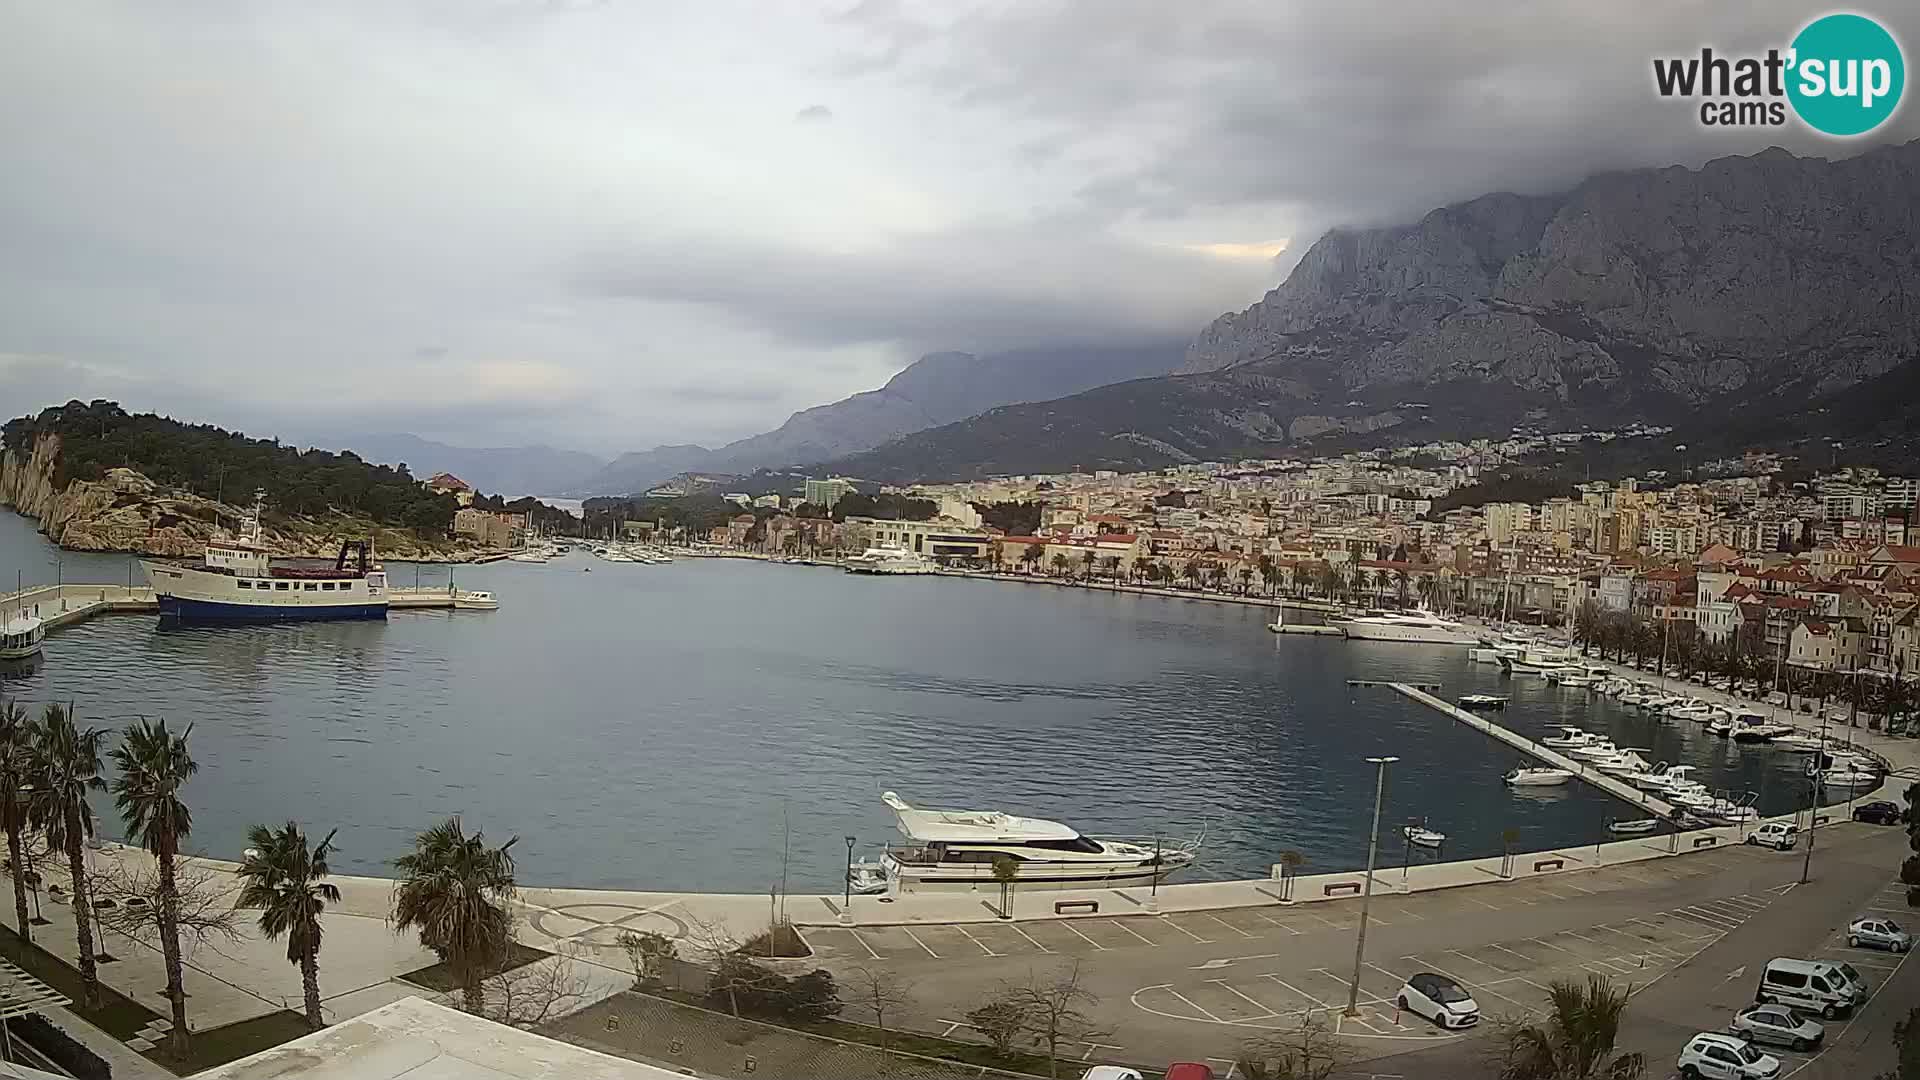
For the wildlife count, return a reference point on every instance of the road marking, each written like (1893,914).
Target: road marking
(1581,937)
(1743,901)
(1536,986)
(1229,960)
(1134,932)
(1345,1020)
(1194,1007)
(1222,984)
(1551,945)
(1083,937)
(1029,937)
(1510,952)
(1683,913)
(983,945)
(922,944)
(952,1026)
(1297,990)
(1674,932)
(1731,911)
(1324,919)
(862,941)
(1169,922)
(1482,963)
(1482,903)
(1487,989)
(1901,910)
(1228,925)
(1365,996)
(1277,922)
(1575,888)
(1391,975)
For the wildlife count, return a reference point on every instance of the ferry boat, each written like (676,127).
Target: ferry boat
(889,560)
(1417,627)
(238,582)
(21,637)
(957,848)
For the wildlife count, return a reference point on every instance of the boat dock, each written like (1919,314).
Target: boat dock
(1612,785)
(64,605)
(1315,629)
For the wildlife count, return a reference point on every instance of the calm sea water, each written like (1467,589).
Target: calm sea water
(680,726)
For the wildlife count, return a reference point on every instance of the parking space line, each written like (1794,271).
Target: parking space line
(1384,971)
(1676,933)
(1030,938)
(1222,984)
(1297,990)
(1076,933)
(1366,997)
(1324,919)
(1482,903)
(1683,913)
(1901,910)
(1131,930)
(1510,952)
(1731,911)
(1169,922)
(1482,963)
(1277,922)
(922,944)
(1488,988)
(1747,901)
(1581,937)
(1193,1006)
(1551,945)
(984,947)
(1536,986)
(863,942)
(1576,888)
(1344,1020)
(1228,925)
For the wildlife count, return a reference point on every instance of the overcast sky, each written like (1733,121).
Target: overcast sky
(612,224)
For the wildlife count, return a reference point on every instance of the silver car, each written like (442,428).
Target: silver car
(1779,1025)
(1879,933)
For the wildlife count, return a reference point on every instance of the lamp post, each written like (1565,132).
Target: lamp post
(1153,890)
(846,900)
(1366,889)
(1813,793)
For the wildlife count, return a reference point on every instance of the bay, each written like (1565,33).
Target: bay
(684,726)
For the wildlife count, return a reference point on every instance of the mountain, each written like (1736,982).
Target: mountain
(936,389)
(1753,286)
(508,471)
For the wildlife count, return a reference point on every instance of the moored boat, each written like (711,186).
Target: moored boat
(21,636)
(239,581)
(1482,701)
(1422,836)
(1530,776)
(958,849)
(1633,827)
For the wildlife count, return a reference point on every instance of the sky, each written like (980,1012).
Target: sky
(605,225)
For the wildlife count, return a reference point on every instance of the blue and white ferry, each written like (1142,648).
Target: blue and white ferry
(238,582)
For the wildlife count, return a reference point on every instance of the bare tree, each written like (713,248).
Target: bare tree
(648,953)
(127,893)
(1000,1021)
(1309,1051)
(879,991)
(535,993)
(730,973)
(1053,1010)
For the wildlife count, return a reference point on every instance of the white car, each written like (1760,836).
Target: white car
(1878,932)
(1111,1072)
(1779,1025)
(1778,835)
(1440,1000)
(1725,1057)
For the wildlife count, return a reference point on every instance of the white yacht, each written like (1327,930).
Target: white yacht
(1798,743)
(957,848)
(21,637)
(1569,738)
(1596,750)
(889,560)
(1527,776)
(1416,627)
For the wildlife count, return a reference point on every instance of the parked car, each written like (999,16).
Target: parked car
(1111,1072)
(1188,1070)
(1778,835)
(1813,985)
(1879,812)
(1440,1000)
(1778,1024)
(1878,932)
(1725,1057)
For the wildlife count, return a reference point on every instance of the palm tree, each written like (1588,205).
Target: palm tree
(454,890)
(1060,564)
(66,766)
(1086,564)
(1033,554)
(286,880)
(1400,585)
(1576,1040)
(16,771)
(154,765)
(1267,574)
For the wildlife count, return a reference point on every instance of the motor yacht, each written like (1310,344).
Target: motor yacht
(1528,776)
(957,849)
(1695,710)
(1569,738)
(1625,763)
(1851,773)
(1482,701)
(1412,627)
(1798,742)
(1574,678)
(889,561)
(1654,779)
(1596,750)
(1423,836)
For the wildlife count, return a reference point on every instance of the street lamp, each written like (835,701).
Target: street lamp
(1366,889)
(846,900)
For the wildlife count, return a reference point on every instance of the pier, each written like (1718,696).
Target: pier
(1613,786)
(61,606)
(1314,629)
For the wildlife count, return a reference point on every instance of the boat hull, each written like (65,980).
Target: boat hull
(911,877)
(216,611)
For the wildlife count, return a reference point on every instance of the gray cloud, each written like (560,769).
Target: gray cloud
(567,221)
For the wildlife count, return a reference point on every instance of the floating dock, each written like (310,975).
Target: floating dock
(64,605)
(1612,785)
(1314,629)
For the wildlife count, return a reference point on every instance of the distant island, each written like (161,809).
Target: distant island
(98,478)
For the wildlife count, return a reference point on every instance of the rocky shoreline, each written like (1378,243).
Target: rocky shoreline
(125,512)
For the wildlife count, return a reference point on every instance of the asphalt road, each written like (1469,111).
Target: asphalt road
(1197,985)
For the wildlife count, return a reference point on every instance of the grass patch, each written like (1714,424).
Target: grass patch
(441,977)
(118,1015)
(217,1046)
(781,943)
(907,1042)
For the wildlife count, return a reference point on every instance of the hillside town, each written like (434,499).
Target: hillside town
(1823,573)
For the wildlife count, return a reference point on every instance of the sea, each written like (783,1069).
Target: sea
(724,725)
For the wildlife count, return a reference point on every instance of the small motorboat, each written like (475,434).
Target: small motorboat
(867,877)
(1721,725)
(1634,827)
(1798,743)
(1526,776)
(1568,738)
(1482,701)
(1423,836)
(476,601)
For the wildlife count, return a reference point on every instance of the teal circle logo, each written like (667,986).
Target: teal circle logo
(1847,74)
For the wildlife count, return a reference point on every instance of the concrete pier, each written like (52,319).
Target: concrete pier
(64,605)
(1306,628)
(1612,785)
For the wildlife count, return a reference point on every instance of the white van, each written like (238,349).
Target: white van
(1813,985)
